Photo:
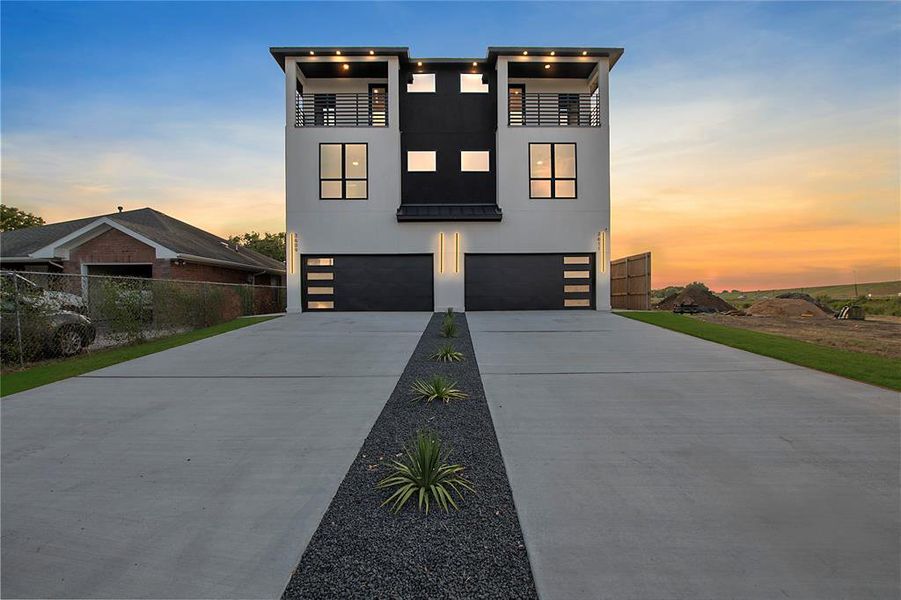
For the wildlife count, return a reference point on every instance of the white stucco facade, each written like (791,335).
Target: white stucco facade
(371,227)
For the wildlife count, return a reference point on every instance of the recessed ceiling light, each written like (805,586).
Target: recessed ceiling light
(584,52)
(312,53)
(525,52)
(338,52)
(475,64)
(419,64)
(553,53)
(371,52)
(346,66)
(547,66)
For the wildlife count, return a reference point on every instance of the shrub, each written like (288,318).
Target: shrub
(449,328)
(436,387)
(424,468)
(447,353)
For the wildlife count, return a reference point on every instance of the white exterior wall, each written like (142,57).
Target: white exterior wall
(371,226)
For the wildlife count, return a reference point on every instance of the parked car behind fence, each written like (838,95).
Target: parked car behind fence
(55,314)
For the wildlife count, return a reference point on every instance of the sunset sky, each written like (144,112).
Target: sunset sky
(753,145)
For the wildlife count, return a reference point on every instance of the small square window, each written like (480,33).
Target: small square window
(474,161)
(421,161)
(471,83)
(423,83)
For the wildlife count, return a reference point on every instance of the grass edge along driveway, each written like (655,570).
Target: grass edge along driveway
(42,374)
(868,368)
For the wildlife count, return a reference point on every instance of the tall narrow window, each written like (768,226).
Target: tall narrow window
(552,170)
(516,104)
(324,110)
(423,83)
(568,109)
(378,104)
(343,171)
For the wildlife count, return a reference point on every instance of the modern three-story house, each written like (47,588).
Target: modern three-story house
(427,183)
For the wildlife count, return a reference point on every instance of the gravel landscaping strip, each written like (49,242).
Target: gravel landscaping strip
(361,550)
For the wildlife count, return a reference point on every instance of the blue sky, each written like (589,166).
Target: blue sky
(750,123)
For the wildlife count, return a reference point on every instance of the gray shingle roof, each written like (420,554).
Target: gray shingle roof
(176,235)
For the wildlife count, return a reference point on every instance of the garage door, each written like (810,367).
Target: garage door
(367,282)
(529,281)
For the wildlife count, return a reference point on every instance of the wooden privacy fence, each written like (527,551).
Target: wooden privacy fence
(630,282)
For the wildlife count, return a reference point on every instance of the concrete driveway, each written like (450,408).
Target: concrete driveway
(199,472)
(648,464)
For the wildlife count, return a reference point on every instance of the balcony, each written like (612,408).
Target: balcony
(543,109)
(341,110)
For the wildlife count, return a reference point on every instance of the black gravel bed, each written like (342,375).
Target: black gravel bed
(362,550)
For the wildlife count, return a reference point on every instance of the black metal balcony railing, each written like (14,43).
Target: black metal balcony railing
(341,110)
(541,109)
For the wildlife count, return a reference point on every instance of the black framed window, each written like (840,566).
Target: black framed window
(552,170)
(343,171)
(325,107)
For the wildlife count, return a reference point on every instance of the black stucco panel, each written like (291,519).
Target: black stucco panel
(448,122)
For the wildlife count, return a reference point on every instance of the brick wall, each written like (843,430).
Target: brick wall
(113,246)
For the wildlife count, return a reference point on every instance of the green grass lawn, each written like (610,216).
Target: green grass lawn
(877,370)
(42,374)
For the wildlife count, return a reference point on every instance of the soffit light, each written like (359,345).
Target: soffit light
(475,64)
(312,53)
(371,52)
(338,52)
(547,66)
(525,52)
(419,63)
(584,52)
(553,53)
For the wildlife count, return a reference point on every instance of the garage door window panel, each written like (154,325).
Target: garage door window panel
(552,170)
(343,171)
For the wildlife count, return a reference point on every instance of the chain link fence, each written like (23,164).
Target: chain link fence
(46,315)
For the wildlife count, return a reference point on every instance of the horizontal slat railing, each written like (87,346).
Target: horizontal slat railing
(541,109)
(340,110)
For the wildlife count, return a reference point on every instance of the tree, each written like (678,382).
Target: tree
(12,218)
(268,244)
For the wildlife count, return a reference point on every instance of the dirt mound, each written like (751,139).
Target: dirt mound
(787,307)
(696,297)
(799,296)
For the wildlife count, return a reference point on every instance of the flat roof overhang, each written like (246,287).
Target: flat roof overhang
(280,53)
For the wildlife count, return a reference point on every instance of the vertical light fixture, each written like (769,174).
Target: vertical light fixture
(457,252)
(602,250)
(441,252)
(292,253)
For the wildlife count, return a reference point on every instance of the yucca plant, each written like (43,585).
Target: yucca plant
(447,353)
(449,328)
(424,471)
(436,387)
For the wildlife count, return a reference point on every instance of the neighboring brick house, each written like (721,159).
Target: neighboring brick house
(136,243)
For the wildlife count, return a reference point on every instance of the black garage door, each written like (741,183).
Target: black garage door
(367,282)
(529,281)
